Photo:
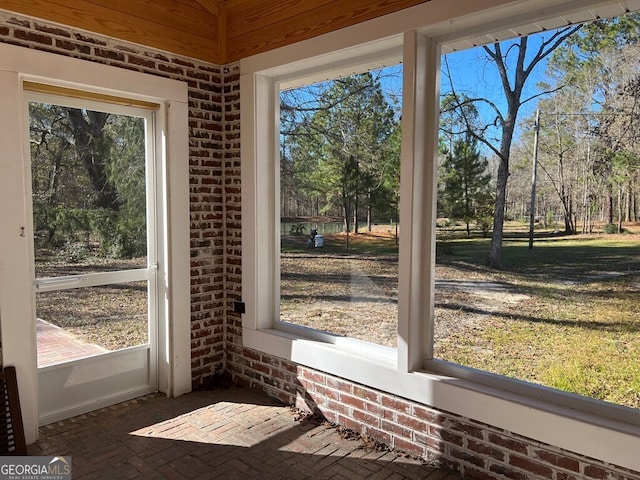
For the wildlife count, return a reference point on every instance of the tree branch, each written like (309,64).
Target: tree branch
(549,45)
(546,92)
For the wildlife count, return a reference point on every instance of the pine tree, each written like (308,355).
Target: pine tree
(467,184)
(344,152)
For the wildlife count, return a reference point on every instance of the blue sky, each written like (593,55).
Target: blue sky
(475,75)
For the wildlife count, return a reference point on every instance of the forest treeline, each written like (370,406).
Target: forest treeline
(340,139)
(88,182)
(340,147)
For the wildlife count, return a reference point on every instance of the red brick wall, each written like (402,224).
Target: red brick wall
(473,449)
(233,216)
(207,143)
(476,450)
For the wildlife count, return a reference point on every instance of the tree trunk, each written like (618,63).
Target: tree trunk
(610,208)
(585,198)
(467,205)
(627,210)
(620,206)
(93,149)
(355,218)
(567,213)
(347,226)
(369,212)
(495,251)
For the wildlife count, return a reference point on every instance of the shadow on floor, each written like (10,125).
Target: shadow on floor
(234,433)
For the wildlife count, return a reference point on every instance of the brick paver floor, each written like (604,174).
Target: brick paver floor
(57,345)
(232,433)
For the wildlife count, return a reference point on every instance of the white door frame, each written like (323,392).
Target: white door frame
(19,64)
(74,387)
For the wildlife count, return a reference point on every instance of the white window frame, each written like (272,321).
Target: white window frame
(585,426)
(17,65)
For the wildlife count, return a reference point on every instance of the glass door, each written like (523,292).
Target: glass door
(94,209)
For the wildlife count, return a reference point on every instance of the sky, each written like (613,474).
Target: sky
(474,74)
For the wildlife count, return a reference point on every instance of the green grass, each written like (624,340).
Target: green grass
(559,256)
(579,331)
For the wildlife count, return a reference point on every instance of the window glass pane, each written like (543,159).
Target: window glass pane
(339,200)
(80,322)
(88,190)
(556,304)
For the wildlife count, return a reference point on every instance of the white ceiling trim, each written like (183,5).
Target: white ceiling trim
(548,17)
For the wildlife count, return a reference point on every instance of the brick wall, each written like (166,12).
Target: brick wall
(476,450)
(233,250)
(208,139)
(473,449)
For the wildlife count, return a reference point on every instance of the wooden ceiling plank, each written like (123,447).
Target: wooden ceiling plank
(247,16)
(103,20)
(307,23)
(211,6)
(167,13)
(222,31)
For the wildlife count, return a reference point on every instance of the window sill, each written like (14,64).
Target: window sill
(316,350)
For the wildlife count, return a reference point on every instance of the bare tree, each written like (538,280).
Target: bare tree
(514,74)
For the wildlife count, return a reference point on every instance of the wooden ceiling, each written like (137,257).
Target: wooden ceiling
(217,31)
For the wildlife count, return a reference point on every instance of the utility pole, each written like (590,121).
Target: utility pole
(532,209)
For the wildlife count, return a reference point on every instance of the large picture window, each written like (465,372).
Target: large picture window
(455,345)
(556,306)
(339,205)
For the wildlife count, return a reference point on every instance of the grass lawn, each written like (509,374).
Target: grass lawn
(566,314)
(579,328)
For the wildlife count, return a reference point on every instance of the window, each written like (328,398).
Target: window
(339,206)
(412,370)
(561,311)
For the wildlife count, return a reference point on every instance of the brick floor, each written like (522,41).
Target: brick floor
(231,434)
(57,345)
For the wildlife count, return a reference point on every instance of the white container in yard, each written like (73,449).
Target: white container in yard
(318,241)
